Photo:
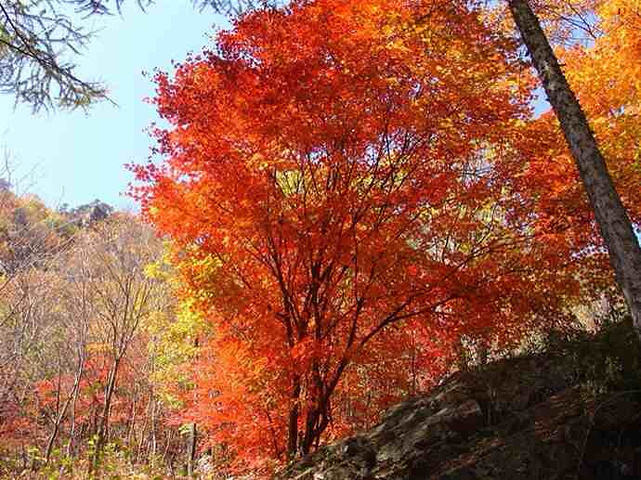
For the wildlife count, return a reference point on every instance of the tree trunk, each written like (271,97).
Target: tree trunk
(292,424)
(193,438)
(60,415)
(103,428)
(132,424)
(154,441)
(613,221)
(72,430)
(142,437)
(193,441)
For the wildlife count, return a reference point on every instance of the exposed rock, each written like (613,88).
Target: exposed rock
(525,418)
(89,213)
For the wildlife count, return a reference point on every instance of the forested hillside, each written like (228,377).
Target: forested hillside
(348,201)
(78,357)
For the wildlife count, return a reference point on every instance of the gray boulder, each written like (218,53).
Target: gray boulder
(526,418)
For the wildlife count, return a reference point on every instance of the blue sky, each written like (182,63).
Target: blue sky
(77,157)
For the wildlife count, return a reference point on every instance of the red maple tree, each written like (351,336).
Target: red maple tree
(341,185)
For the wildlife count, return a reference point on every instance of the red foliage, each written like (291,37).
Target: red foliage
(342,185)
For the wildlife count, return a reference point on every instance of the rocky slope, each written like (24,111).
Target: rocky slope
(570,414)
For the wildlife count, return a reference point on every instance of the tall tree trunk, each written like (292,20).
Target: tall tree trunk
(193,441)
(613,221)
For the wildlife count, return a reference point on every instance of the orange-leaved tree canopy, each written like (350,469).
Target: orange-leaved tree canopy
(336,180)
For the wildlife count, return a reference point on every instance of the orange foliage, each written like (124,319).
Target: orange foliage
(346,183)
